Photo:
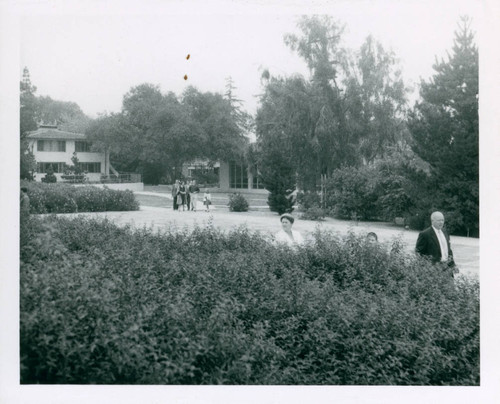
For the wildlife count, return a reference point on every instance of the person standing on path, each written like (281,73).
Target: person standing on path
(188,195)
(182,195)
(434,243)
(207,200)
(175,191)
(194,191)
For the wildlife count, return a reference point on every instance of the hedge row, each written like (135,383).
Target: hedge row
(65,198)
(103,304)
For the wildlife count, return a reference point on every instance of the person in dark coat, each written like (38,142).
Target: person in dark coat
(188,195)
(434,243)
(175,191)
(24,203)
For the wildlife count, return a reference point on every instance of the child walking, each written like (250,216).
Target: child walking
(207,200)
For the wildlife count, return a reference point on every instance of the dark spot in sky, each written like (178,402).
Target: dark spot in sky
(188,56)
(185,77)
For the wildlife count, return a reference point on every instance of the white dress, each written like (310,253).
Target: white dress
(284,238)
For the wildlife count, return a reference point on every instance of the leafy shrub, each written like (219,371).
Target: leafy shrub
(280,202)
(310,204)
(237,203)
(351,192)
(393,199)
(313,213)
(107,305)
(308,200)
(37,198)
(59,201)
(278,175)
(390,187)
(116,200)
(456,222)
(418,220)
(90,199)
(49,177)
(65,198)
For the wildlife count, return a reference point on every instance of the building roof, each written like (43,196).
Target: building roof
(54,133)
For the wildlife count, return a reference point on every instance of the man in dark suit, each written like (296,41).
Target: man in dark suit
(434,242)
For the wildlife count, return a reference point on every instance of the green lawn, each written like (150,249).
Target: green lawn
(154,201)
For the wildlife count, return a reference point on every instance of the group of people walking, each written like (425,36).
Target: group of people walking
(185,195)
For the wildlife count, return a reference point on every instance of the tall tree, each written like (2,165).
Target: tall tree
(154,134)
(27,104)
(140,107)
(242,118)
(141,103)
(110,134)
(224,137)
(277,172)
(286,117)
(348,112)
(67,115)
(376,100)
(320,46)
(173,139)
(445,129)
(27,123)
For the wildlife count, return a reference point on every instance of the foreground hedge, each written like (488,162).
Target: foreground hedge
(65,198)
(102,304)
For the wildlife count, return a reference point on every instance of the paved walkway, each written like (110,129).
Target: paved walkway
(219,199)
(466,250)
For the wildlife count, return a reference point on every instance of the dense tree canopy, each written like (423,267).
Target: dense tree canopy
(376,98)
(445,129)
(35,110)
(109,134)
(43,109)
(220,121)
(285,121)
(347,113)
(157,133)
(67,115)
(242,118)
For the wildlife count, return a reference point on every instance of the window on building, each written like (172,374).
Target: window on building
(90,167)
(238,176)
(51,145)
(256,182)
(204,173)
(43,167)
(81,146)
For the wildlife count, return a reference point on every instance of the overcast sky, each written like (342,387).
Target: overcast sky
(93,52)
(93,56)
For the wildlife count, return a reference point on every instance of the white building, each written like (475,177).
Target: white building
(232,176)
(54,147)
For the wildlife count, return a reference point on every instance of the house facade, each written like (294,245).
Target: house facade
(233,176)
(54,147)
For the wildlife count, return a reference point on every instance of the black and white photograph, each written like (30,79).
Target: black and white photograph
(247,201)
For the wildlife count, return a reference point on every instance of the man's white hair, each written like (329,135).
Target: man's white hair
(434,215)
